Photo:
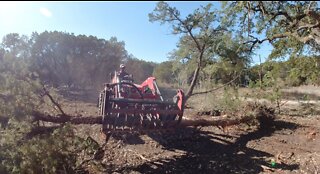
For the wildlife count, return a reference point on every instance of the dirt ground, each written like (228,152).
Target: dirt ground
(290,146)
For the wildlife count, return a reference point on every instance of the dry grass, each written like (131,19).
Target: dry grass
(305,89)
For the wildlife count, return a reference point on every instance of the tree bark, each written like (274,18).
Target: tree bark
(193,83)
(98,120)
(67,118)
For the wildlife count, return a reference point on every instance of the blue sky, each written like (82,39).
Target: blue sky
(128,21)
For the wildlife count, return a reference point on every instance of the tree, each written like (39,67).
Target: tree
(197,30)
(83,61)
(140,69)
(292,27)
(303,71)
(232,59)
(21,96)
(163,72)
(16,45)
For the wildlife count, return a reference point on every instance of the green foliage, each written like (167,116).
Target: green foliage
(18,92)
(140,69)
(304,70)
(196,46)
(78,61)
(230,101)
(164,72)
(206,50)
(293,72)
(272,80)
(63,59)
(290,26)
(54,153)
(20,96)
(57,59)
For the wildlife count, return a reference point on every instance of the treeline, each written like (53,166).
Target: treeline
(63,59)
(295,71)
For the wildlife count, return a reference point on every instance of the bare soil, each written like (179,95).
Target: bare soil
(292,143)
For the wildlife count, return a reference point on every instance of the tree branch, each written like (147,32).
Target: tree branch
(46,92)
(67,118)
(211,90)
(313,14)
(189,30)
(221,122)
(308,26)
(98,120)
(270,39)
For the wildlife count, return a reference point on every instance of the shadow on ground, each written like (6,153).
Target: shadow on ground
(207,152)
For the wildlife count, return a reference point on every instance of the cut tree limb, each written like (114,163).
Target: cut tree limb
(98,120)
(221,122)
(67,118)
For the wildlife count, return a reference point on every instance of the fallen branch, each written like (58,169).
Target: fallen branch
(67,118)
(46,92)
(222,122)
(98,120)
(263,114)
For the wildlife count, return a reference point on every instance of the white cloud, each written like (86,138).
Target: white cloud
(45,12)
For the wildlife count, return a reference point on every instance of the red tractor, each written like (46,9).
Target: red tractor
(126,106)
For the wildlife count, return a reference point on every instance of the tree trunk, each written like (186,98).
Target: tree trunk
(193,82)
(98,120)
(67,118)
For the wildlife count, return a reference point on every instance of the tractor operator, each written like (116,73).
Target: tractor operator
(122,73)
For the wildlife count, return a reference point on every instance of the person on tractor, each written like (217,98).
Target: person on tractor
(122,74)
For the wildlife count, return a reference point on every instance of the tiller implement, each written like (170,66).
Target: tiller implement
(126,106)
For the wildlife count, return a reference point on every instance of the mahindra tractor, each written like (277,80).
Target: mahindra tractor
(126,106)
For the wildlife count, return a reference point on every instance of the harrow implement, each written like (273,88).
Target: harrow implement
(125,106)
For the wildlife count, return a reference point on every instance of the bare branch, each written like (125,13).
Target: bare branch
(309,26)
(46,92)
(211,90)
(280,13)
(262,8)
(67,118)
(189,30)
(270,39)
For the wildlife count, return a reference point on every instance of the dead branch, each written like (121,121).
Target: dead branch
(67,118)
(46,92)
(222,122)
(262,114)
(98,120)
(270,39)
(211,90)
